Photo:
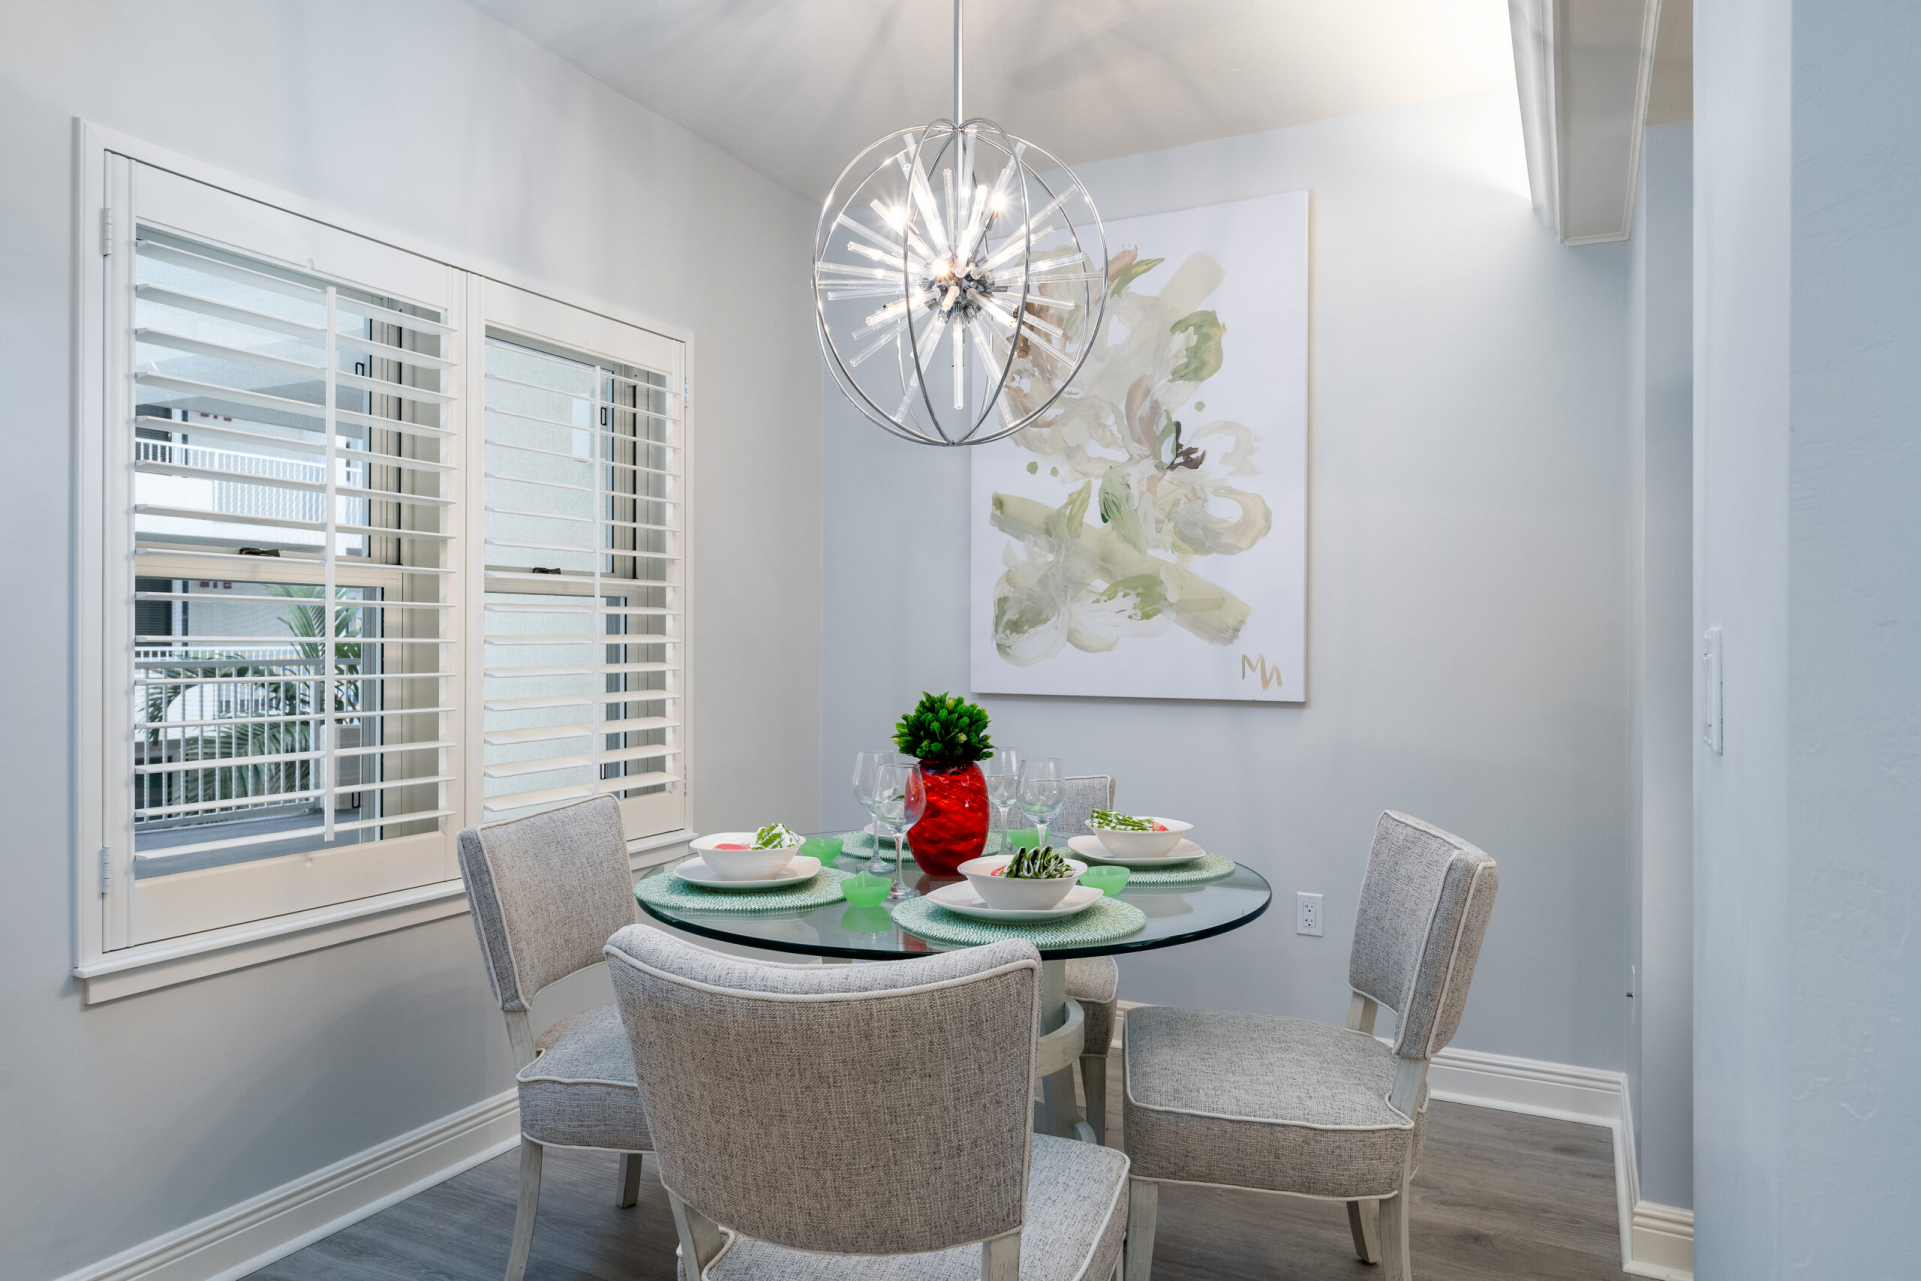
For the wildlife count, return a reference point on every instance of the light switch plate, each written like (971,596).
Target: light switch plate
(1307,914)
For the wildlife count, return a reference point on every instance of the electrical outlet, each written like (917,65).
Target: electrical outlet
(1307,914)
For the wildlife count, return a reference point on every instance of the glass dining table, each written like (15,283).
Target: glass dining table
(840,932)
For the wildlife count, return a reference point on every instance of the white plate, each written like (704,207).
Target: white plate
(961,899)
(695,872)
(1091,849)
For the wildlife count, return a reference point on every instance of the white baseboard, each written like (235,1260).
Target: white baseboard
(249,1236)
(1663,1242)
(1656,1240)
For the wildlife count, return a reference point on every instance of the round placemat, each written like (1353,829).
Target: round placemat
(863,843)
(664,889)
(1208,867)
(1110,918)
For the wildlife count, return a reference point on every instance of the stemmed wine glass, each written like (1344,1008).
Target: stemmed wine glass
(1003,770)
(891,789)
(1042,793)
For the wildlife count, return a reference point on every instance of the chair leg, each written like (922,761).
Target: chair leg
(1143,1203)
(629,1193)
(1001,1258)
(700,1238)
(530,1156)
(1361,1221)
(1094,1086)
(1396,1264)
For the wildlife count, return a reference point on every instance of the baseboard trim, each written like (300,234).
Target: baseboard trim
(246,1237)
(1663,1242)
(1656,1240)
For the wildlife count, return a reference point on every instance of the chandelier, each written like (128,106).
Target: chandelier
(960,277)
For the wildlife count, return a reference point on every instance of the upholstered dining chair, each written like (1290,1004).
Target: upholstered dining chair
(879,1111)
(546,893)
(1289,1105)
(1094,981)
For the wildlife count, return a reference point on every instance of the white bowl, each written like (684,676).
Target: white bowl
(1018,894)
(742,865)
(1142,844)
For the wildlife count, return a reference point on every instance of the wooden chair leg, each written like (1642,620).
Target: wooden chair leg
(629,1193)
(1361,1220)
(1143,1203)
(530,1156)
(700,1238)
(1396,1264)
(1094,1086)
(1001,1258)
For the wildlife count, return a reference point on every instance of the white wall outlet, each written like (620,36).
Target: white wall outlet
(1307,914)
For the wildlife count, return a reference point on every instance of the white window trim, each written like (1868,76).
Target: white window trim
(104,975)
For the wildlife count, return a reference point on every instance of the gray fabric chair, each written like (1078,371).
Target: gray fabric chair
(1288,1105)
(546,892)
(867,1121)
(1094,981)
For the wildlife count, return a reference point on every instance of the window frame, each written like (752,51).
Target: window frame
(106,972)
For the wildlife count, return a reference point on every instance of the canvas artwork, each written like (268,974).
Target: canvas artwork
(1147,539)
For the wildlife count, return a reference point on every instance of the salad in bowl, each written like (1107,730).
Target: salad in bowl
(1027,880)
(1137,835)
(746,856)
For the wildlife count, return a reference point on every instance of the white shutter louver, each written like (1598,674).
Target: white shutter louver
(292,509)
(583,653)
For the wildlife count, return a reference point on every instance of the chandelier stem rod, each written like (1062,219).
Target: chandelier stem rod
(957,63)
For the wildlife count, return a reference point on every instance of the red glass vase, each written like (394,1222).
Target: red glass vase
(953,827)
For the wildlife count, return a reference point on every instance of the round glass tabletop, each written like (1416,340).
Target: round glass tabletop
(1175,914)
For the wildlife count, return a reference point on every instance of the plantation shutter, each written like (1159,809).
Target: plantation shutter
(582,665)
(290,624)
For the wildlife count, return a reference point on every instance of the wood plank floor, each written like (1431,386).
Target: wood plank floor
(1499,1197)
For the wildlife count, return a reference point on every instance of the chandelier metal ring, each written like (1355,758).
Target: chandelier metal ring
(932,261)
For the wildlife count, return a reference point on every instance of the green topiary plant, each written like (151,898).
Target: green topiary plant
(944,731)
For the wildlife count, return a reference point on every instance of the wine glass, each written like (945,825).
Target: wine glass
(1042,793)
(903,798)
(870,790)
(1003,771)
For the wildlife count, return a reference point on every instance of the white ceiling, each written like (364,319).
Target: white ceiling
(796,87)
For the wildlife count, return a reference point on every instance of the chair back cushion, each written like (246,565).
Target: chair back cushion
(546,892)
(846,1109)
(1085,794)
(1424,909)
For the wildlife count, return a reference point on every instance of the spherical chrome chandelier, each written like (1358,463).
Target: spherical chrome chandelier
(960,277)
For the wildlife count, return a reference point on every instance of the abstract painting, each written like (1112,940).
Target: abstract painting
(1147,538)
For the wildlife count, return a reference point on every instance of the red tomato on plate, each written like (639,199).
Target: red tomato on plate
(731,846)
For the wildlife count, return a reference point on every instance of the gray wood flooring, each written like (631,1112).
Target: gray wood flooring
(1499,1197)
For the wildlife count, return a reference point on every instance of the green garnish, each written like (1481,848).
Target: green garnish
(1041,864)
(1116,822)
(775,836)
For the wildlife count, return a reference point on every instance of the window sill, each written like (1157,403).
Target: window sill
(128,971)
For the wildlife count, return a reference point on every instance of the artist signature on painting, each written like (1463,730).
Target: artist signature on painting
(1270,676)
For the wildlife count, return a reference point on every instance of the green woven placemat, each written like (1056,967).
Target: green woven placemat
(663,889)
(1110,918)
(1208,867)
(862,844)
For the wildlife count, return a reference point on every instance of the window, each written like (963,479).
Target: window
(339,615)
(583,559)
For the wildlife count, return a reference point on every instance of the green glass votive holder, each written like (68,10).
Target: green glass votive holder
(825,848)
(1028,836)
(1107,879)
(866,889)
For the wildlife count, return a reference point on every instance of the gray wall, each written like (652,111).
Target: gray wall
(126,1120)
(1467,613)
(1807,175)
(1661,448)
